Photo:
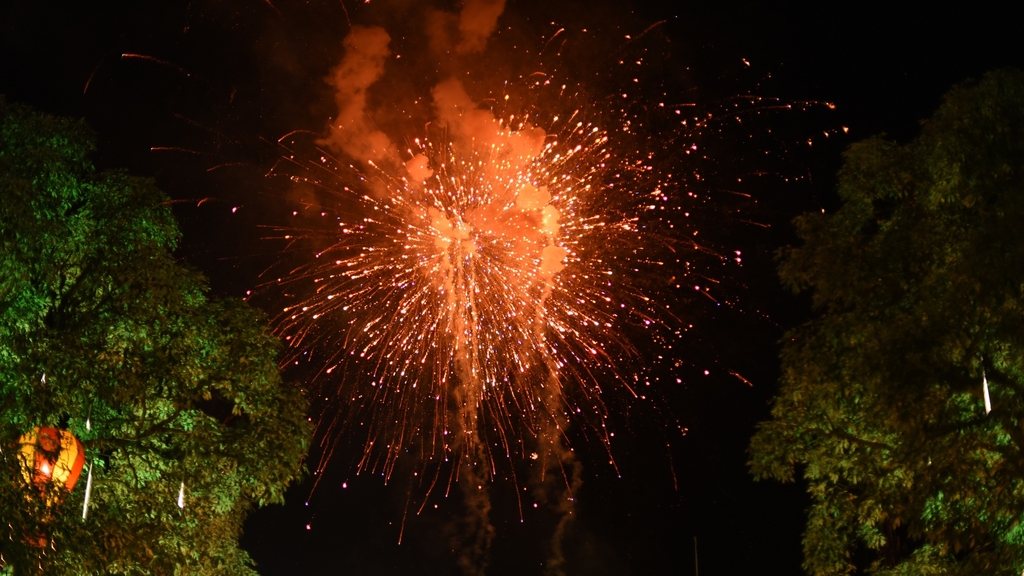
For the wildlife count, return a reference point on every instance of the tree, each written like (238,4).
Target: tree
(172,392)
(919,281)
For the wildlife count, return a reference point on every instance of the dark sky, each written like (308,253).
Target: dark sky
(233,76)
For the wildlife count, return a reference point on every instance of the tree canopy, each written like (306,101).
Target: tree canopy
(919,281)
(172,392)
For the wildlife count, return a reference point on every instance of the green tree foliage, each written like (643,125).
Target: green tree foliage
(919,280)
(104,334)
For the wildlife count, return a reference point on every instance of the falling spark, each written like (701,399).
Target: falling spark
(144,57)
(984,389)
(88,493)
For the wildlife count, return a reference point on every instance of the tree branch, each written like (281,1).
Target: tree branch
(840,433)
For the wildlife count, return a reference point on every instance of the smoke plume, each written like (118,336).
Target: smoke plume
(352,131)
(468,31)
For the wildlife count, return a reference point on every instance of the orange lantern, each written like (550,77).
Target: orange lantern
(51,457)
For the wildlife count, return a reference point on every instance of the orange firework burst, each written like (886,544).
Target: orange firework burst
(485,284)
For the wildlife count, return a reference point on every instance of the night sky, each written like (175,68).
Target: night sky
(221,81)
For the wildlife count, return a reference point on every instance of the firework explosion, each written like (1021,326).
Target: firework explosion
(495,277)
(484,274)
(490,295)
(471,296)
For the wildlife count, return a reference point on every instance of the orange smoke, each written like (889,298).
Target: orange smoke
(466,33)
(366,50)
